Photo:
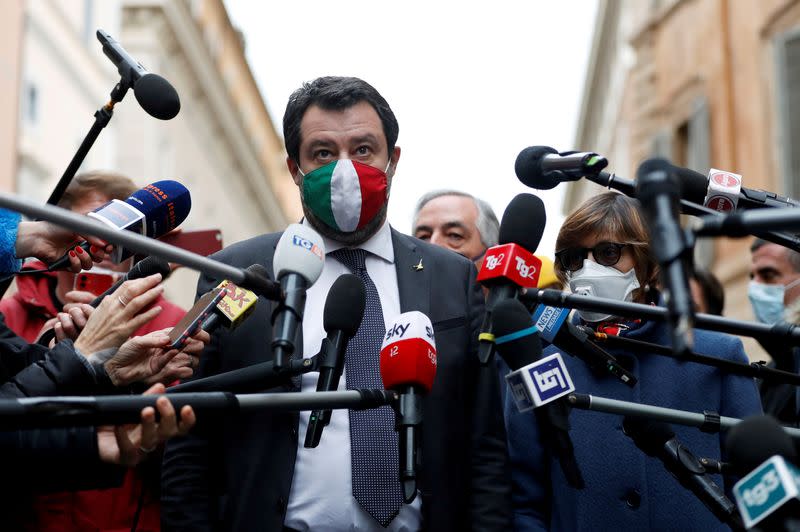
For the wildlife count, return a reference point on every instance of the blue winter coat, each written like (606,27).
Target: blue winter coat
(626,489)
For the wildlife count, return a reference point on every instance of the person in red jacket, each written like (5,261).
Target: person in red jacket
(36,304)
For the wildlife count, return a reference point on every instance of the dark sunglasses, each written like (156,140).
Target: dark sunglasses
(604,253)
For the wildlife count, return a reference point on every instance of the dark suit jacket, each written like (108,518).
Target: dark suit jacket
(235,473)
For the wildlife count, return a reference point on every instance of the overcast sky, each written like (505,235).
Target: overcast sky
(471,83)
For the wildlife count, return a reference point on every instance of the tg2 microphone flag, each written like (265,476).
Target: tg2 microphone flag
(408,366)
(153,211)
(511,264)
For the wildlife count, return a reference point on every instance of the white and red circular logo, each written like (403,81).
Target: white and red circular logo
(724,179)
(720,203)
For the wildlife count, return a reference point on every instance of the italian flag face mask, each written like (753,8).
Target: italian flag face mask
(346,195)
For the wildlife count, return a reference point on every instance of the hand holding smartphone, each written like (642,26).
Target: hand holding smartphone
(193,319)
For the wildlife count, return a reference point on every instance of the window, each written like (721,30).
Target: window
(788,110)
(31,104)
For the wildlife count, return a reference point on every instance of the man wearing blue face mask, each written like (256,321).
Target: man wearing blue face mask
(774,280)
(774,293)
(253,472)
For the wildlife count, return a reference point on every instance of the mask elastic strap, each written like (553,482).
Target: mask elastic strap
(792,284)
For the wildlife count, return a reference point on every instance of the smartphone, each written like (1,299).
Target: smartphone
(203,242)
(94,282)
(193,319)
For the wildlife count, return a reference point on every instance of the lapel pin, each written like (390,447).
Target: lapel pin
(418,267)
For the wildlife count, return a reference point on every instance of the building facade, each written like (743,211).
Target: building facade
(707,84)
(222,146)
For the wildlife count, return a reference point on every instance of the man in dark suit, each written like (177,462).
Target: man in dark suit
(251,472)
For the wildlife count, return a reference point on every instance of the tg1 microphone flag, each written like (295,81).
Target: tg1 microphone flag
(297,263)
(408,366)
(153,211)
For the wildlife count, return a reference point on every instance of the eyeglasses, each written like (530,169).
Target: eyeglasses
(604,253)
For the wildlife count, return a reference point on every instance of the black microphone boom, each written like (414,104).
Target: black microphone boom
(786,332)
(154,93)
(657,439)
(693,190)
(141,244)
(51,412)
(659,192)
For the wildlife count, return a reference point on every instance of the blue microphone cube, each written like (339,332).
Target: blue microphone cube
(540,383)
(765,489)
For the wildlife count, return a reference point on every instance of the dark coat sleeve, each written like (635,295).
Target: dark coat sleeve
(15,353)
(186,486)
(490,494)
(50,459)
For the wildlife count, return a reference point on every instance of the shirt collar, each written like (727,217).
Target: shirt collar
(379,244)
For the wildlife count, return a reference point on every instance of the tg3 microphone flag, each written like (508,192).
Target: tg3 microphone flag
(408,366)
(765,456)
(153,211)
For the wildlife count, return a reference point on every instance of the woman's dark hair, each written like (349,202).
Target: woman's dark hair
(712,290)
(334,93)
(615,218)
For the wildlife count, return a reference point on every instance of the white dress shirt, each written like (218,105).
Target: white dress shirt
(321,497)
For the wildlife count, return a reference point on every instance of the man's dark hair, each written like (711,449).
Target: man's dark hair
(792,255)
(713,293)
(334,93)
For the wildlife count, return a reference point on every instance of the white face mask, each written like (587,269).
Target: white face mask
(602,281)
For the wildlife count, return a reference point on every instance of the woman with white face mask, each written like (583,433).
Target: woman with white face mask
(602,250)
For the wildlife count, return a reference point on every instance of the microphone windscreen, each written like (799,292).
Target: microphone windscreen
(528,168)
(756,438)
(650,435)
(165,205)
(408,352)
(694,185)
(523,222)
(157,96)
(299,250)
(510,316)
(654,177)
(150,266)
(344,306)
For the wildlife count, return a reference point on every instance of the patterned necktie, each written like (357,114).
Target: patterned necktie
(373,441)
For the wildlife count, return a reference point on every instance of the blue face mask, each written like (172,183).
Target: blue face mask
(767,300)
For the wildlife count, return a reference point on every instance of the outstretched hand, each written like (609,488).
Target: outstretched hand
(129,444)
(48,242)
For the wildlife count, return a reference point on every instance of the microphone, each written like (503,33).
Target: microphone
(537,383)
(144,268)
(511,264)
(723,191)
(542,167)
(408,366)
(659,192)
(768,493)
(155,94)
(236,305)
(297,263)
(153,211)
(555,327)
(657,439)
(344,308)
